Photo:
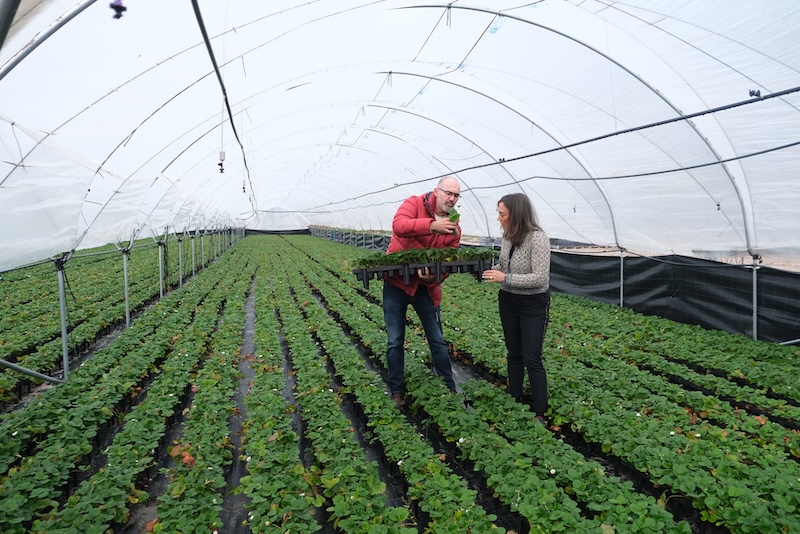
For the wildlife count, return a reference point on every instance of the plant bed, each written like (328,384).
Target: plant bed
(636,431)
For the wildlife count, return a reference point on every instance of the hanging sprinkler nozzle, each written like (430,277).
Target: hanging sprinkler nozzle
(117,6)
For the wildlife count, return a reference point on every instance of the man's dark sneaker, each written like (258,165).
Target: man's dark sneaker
(397,398)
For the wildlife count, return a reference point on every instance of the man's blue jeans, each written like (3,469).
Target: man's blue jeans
(395,304)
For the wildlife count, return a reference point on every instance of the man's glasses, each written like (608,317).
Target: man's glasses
(450,193)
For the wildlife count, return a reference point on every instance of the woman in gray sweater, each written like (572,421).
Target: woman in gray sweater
(524,297)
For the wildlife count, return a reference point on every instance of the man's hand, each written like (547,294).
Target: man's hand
(444,226)
(426,275)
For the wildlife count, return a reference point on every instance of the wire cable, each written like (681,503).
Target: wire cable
(207,41)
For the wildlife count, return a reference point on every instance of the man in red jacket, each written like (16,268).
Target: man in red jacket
(420,222)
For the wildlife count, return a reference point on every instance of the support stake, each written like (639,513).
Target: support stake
(62,297)
(755,267)
(125,253)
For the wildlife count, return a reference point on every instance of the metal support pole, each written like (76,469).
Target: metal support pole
(203,250)
(8,8)
(161,269)
(29,372)
(621,277)
(62,297)
(125,253)
(194,261)
(755,296)
(180,262)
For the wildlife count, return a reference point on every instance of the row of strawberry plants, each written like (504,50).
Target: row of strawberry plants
(24,430)
(92,286)
(783,504)
(104,499)
(355,494)
(472,333)
(443,496)
(36,481)
(754,413)
(74,413)
(756,399)
(601,405)
(654,376)
(664,356)
(157,326)
(725,451)
(533,465)
(193,499)
(429,393)
(510,470)
(95,303)
(691,465)
(760,365)
(33,283)
(38,282)
(586,479)
(281,490)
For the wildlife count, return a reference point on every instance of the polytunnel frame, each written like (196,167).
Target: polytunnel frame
(22,54)
(62,21)
(40,37)
(447,8)
(755,258)
(515,180)
(8,9)
(746,213)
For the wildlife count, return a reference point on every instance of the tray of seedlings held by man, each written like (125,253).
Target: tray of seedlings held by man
(437,261)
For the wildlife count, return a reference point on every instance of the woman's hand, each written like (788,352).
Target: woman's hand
(493,275)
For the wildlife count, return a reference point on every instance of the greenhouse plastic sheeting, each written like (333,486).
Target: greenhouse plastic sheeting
(659,126)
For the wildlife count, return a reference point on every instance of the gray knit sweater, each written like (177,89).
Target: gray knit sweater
(528,270)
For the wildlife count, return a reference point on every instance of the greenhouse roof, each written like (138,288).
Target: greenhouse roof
(669,126)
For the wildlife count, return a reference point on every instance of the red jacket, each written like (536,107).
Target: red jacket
(411,228)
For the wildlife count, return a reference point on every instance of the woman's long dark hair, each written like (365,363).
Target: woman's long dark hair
(521,217)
